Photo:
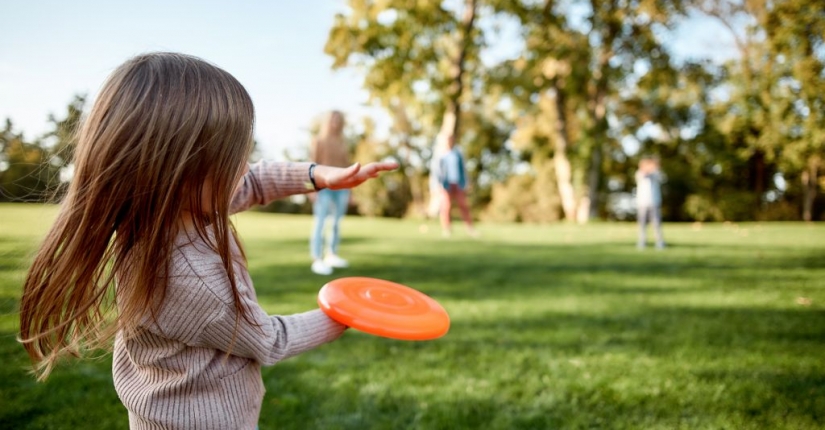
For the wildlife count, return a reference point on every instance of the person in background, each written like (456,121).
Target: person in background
(649,201)
(434,205)
(329,148)
(452,177)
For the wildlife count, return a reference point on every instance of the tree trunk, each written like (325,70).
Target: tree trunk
(564,172)
(563,178)
(597,94)
(416,189)
(594,177)
(463,42)
(810,178)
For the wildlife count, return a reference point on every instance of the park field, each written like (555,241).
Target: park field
(553,327)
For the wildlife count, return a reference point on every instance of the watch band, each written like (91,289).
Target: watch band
(312,177)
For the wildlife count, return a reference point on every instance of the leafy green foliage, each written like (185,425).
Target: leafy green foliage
(30,170)
(771,122)
(593,75)
(555,128)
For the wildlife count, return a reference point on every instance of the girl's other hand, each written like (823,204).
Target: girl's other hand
(336,178)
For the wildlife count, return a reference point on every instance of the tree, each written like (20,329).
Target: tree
(554,122)
(38,170)
(774,115)
(571,79)
(25,173)
(419,58)
(795,31)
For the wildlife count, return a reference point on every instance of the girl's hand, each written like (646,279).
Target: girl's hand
(337,178)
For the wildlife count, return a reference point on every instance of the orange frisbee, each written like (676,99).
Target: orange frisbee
(383,308)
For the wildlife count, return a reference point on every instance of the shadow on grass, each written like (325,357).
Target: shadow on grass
(304,395)
(362,382)
(743,368)
(78,394)
(453,271)
(764,363)
(728,367)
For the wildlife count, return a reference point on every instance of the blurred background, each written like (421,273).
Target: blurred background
(556,100)
(558,321)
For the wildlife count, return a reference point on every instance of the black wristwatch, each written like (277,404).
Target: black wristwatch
(312,178)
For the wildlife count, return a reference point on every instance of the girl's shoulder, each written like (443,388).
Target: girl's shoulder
(196,268)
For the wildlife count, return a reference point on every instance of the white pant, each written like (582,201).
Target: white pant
(653,215)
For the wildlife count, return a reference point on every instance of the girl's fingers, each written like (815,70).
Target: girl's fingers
(338,178)
(373,169)
(349,172)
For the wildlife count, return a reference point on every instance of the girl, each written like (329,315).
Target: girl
(160,165)
(329,148)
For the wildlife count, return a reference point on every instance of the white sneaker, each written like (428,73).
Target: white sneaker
(319,268)
(335,261)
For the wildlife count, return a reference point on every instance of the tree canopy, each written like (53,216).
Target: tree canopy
(553,129)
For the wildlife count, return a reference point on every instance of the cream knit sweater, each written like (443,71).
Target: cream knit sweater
(175,374)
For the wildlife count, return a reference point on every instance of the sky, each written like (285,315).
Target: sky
(52,50)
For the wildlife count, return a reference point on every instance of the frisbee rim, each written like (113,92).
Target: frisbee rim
(427,319)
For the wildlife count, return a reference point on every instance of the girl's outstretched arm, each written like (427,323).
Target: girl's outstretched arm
(267,181)
(270,180)
(336,178)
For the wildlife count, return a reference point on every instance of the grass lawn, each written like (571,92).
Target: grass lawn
(553,327)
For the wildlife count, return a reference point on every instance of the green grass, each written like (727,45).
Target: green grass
(553,327)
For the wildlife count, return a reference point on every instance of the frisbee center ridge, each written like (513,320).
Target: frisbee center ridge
(388,298)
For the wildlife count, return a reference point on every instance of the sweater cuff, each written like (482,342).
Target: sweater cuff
(279,180)
(308,330)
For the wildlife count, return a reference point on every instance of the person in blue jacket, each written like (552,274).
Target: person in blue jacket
(451,174)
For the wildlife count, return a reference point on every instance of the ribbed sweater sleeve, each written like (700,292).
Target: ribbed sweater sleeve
(270,180)
(173,371)
(199,310)
(275,339)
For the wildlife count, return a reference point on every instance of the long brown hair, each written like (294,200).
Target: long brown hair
(164,127)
